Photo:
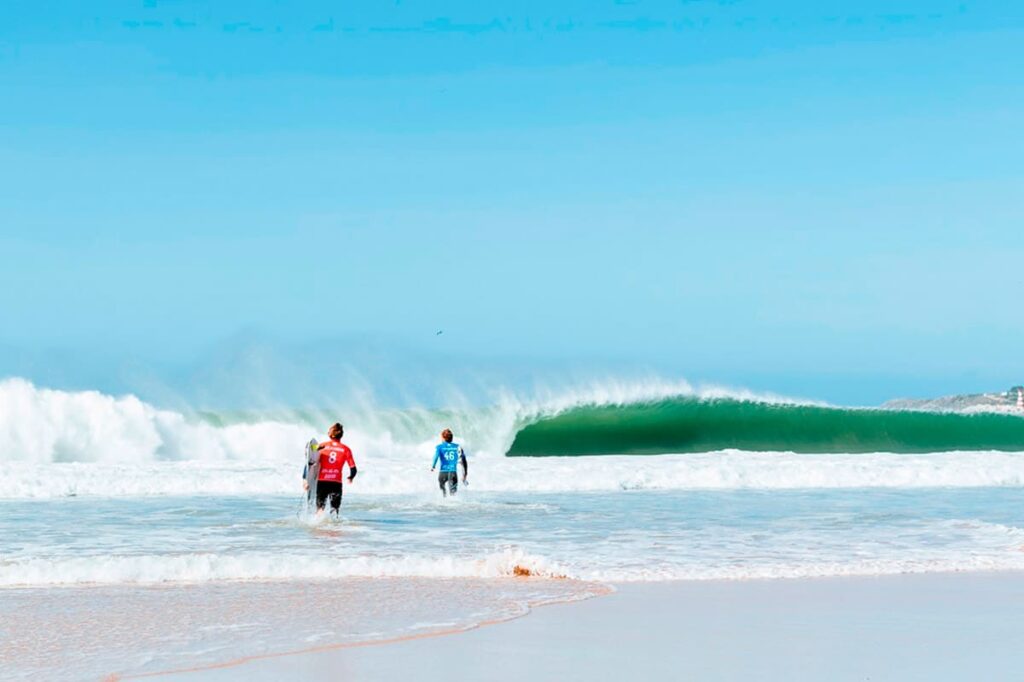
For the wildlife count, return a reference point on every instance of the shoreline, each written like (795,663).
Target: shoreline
(592,590)
(942,626)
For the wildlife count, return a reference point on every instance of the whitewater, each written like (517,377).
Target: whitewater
(57,444)
(111,506)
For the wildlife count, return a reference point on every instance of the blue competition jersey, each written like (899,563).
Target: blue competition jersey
(448,453)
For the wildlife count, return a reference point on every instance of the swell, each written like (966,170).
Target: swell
(691,424)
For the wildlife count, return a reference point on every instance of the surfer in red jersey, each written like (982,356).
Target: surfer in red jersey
(334,455)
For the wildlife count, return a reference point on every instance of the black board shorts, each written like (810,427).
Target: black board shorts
(328,489)
(451,478)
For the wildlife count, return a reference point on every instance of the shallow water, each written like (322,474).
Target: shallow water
(204,579)
(617,536)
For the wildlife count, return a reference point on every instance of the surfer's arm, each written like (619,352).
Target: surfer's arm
(465,464)
(352,471)
(437,456)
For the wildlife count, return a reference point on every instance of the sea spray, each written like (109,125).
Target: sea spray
(58,443)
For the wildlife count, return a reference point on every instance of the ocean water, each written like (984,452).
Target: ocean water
(156,540)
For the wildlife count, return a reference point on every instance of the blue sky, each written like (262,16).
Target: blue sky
(819,198)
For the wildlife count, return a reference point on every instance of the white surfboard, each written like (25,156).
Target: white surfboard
(312,471)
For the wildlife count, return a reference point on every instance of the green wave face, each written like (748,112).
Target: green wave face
(692,425)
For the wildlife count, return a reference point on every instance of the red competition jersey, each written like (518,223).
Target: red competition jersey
(333,456)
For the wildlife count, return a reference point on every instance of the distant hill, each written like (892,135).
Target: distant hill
(974,402)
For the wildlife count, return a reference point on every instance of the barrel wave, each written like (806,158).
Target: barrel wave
(691,424)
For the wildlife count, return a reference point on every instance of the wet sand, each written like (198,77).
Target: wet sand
(928,627)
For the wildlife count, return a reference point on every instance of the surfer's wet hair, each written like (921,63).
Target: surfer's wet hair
(336,430)
(447,435)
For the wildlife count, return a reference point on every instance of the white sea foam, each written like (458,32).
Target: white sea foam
(184,568)
(41,426)
(823,569)
(982,547)
(408,474)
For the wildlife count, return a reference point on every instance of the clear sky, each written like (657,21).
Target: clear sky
(821,198)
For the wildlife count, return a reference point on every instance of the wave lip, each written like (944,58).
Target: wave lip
(694,424)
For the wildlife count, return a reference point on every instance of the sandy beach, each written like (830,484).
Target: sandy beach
(924,627)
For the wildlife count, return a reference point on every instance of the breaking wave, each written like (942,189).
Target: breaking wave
(694,424)
(58,443)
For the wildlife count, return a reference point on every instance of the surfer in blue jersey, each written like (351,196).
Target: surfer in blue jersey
(450,455)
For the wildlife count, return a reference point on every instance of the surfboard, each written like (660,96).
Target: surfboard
(312,471)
